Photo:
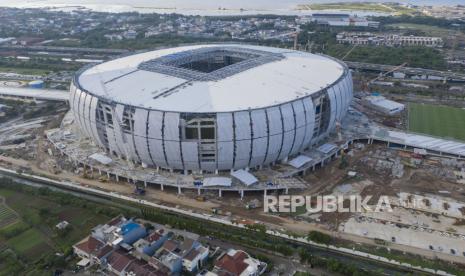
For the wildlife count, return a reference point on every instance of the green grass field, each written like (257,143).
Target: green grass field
(427,29)
(7,216)
(441,121)
(359,6)
(32,237)
(26,241)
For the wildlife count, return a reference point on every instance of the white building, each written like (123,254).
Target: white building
(384,105)
(343,20)
(367,38)
(211,107)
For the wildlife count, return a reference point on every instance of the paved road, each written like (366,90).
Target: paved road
(32,93)
(406,70)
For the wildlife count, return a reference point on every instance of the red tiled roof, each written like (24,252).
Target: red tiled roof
(104,251)
(233,264)
(153,237)
(90,246)
(192,254)
(119,260)
(115,221)
(142,268)
(170,245)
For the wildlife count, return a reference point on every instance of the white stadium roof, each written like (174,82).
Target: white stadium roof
(277,80)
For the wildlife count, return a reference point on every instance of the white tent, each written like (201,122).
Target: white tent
(101,158)
(245,177)
(327,148)
(217,181)
(299,161)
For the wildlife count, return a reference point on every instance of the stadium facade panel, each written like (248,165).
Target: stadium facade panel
(185,109)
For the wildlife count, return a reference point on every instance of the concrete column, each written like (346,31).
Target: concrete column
(388,144)
(286,191)
(117,178)
(99,171)
(145,184)
(264,192)
(220,193)
(216,171)
(198,191)
(108,175)
(185,172)
(242,194)
(179,190)
(129,181)
(161,187)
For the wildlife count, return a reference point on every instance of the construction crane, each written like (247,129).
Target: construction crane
(388,72)
(349,52)
(294,34)
(366,84)
(296,37)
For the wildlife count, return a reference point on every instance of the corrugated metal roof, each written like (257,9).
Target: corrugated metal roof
(299,161)
(296,75)
(245,177)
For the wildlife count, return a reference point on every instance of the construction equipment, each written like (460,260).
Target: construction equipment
(349,52)
(139,189)
(388,72)
(103,178)
(366,84)
(255,203)
(201,198)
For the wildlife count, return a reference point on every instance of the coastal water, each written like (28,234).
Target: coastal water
(203,7)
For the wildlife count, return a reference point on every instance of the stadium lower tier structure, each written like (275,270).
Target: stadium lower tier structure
(68,143)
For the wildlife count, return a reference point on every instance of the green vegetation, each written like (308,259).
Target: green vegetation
(25,71)
(422,57)
(323,39)
(442,121)
(36,66)
(254,237)
(41,208)
(361,6)
(427,30)
(300,273)
(28,246)
(319,237)
(422,20)
(7,217)
(27,240)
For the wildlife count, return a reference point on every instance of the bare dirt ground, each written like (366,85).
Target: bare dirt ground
(323,181)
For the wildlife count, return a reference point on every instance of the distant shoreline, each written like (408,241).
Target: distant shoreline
(247,7)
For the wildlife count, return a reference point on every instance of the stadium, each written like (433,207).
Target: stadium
(210,108)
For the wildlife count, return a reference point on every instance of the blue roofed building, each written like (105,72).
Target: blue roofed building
(131,232)
(152,242)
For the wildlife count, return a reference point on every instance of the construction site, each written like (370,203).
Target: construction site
(365,166)
(368,152)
